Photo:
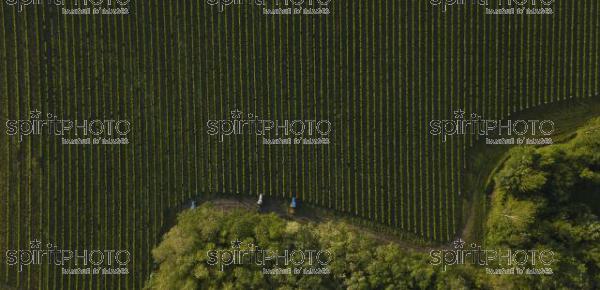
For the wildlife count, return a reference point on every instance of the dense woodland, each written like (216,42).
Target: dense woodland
(544,198)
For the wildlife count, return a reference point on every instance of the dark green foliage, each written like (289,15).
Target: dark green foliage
(183,253)
(359,261)
(541,201)
(520,175)
(540,212)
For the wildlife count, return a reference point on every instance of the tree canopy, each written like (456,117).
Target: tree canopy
(544,198)
(359,261)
